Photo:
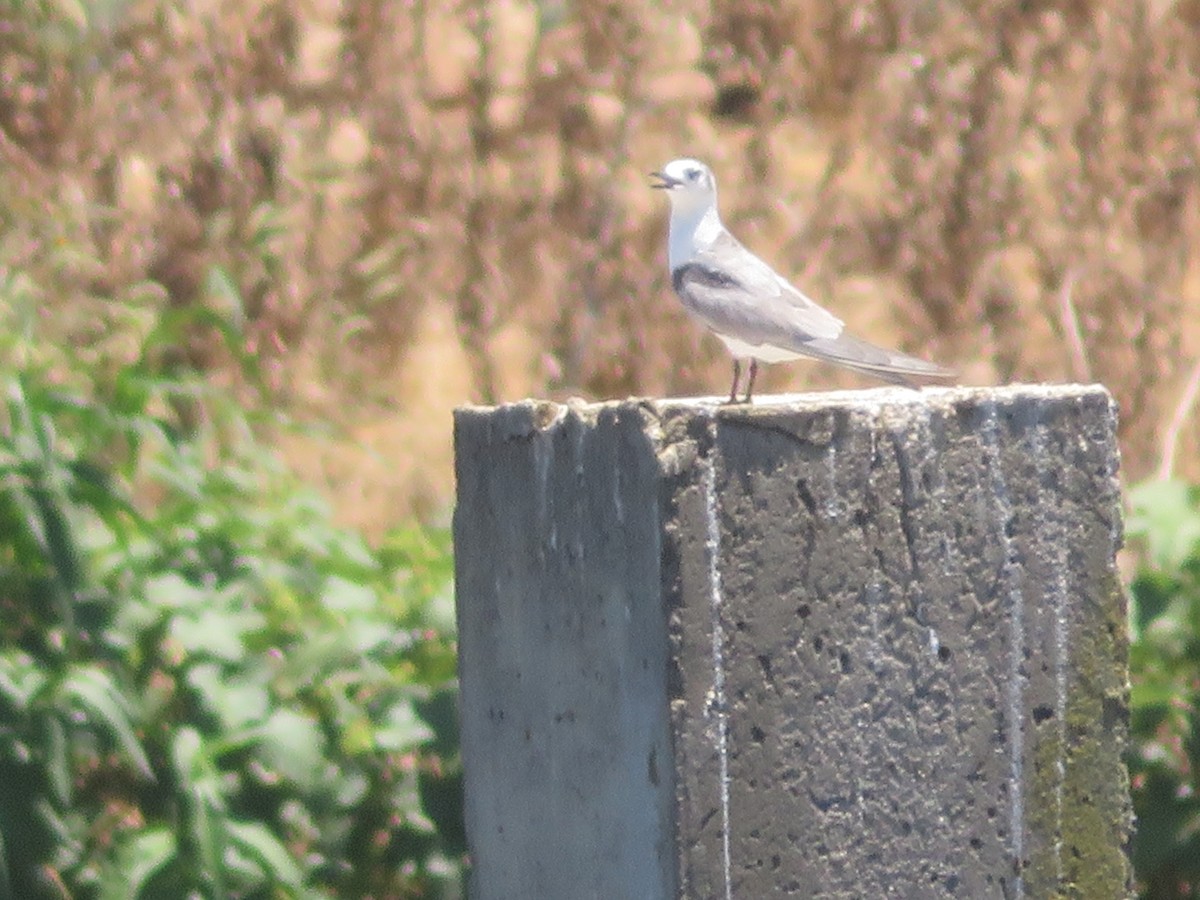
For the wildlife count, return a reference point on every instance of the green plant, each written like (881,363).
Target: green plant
(206,687)
(1165,672)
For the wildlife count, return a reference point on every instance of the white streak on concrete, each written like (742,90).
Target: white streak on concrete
(713,548)
(541,463)
(1062,653)
(874,595)
(832,506)
(1056,536)
(618,503)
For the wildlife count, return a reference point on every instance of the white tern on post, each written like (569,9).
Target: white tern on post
(754,310)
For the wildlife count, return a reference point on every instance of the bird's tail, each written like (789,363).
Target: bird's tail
(887,365)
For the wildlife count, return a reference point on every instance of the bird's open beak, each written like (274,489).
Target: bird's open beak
(666,182)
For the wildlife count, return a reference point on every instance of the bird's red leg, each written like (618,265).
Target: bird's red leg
(750,383)
(737,374)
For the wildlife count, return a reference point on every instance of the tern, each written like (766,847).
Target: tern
(756,312)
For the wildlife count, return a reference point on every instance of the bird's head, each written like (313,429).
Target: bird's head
(688,182)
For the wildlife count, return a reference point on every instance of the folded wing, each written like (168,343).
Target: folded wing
(737,294)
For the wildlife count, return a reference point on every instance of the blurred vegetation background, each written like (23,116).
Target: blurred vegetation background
(250,245)
(403,206)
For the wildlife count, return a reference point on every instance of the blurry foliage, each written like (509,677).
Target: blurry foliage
(1165,671)
(206,689)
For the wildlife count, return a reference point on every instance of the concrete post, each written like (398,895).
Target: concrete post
(864,644)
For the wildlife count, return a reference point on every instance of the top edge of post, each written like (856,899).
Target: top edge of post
(547,412)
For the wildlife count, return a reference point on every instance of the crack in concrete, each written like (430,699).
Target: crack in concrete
(1015,733)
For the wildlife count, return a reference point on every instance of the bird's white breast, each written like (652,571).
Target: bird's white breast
(691,230)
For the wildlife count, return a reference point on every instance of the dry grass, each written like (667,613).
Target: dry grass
(422,204)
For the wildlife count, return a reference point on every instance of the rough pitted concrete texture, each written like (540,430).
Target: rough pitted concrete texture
(864,644)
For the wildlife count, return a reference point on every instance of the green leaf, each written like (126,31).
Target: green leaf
(403,729)
(363,636)
(92,689)
(1150,593)
(1145,694)
(52,506)
(21,679)
(225,298)
(204,806)
(340,595)
(294,745)
(239,700)
(260,845)
(137,860)
(1166,514)
(6,892)
(171,591)
(216,633)
(58,763)
(187,756)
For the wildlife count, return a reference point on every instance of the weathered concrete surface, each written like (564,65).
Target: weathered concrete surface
(562,654)
(849,645)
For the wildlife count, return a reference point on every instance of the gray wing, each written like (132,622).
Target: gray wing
(737,294)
